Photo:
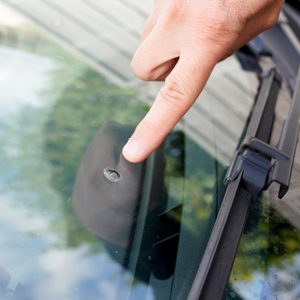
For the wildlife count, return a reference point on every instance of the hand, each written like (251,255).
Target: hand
(182,42)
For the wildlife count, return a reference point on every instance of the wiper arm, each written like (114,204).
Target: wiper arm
(281,158)
(254,167)
(287,144)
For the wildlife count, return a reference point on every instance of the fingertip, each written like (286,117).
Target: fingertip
(132,151)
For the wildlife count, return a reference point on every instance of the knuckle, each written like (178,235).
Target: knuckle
(227,21)
(272,19)
(151,71)
(174,92)
(139,71)
(223,24)
(226,17)
(273,13)
(176,12)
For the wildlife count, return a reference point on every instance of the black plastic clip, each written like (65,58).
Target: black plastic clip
(260,162)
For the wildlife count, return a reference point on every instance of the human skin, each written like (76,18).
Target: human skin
(182,42)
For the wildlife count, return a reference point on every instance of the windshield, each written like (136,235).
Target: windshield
(68,103)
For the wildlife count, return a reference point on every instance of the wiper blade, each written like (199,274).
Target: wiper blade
(281,158)
(254,167)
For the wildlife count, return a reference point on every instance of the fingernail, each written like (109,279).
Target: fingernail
(131,148)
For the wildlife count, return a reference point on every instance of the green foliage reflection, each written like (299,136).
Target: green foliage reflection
(78,102)
(272,243)
(82,106)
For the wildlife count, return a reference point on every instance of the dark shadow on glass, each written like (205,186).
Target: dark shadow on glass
(109,206)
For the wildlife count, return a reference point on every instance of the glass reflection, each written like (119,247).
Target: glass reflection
(267,263)
(54,104)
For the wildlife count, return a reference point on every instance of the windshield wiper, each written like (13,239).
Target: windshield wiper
(254,167)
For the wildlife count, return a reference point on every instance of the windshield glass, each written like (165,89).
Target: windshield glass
(74,216)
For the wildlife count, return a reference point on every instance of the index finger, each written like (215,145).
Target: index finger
(181,89)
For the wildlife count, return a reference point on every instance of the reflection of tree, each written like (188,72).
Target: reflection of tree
(81,107)
(272,243)
(197,176)
(83,101)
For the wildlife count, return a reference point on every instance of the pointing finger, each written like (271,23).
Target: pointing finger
(179,92)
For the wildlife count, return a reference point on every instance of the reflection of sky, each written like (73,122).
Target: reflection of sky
(279,283)
(9,17)
(76,275)
(32,262)
(18,250)
(38,269)
(21,77)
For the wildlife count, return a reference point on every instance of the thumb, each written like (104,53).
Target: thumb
(179,92)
